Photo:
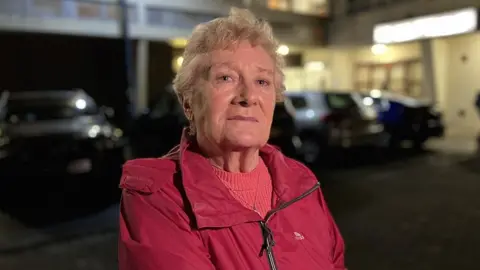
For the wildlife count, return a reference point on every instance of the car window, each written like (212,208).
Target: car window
(340,101)
(29,110)
(280,110)
(298,102)
(168,103)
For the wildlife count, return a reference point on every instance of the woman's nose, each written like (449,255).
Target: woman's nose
(246,96)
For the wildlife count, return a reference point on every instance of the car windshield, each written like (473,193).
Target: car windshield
(298,102)
(167,104)
(30,110)
(340,101)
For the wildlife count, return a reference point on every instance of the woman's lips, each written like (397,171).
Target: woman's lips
(243,118)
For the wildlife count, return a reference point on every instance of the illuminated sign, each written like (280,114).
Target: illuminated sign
(432,26)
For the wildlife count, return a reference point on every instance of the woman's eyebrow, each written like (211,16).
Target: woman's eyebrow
(222,64)
(265,70)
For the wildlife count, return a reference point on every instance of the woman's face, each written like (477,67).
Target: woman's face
(238,99)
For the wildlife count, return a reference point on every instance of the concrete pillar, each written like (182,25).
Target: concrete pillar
(142,76)
(341,65)
(141,12)
(440,62)
(428,69)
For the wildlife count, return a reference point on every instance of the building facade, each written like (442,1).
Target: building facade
(422,48)
(150,21)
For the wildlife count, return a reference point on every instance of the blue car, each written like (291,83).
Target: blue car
(406,118)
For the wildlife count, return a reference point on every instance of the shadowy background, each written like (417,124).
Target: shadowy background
(389,125)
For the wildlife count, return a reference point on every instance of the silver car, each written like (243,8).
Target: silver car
(328,119)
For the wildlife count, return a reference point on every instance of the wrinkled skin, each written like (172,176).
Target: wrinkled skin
(238,100)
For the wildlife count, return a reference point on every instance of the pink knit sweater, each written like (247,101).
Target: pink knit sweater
(253,189)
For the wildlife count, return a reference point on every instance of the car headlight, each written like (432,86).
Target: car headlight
(105,137)
(94,131)
(117,133)
(106,131)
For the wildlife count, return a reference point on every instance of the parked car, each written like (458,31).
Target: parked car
(332,119)
(407,119)
(4,140)
(158,130)
(59,132)
(284,133)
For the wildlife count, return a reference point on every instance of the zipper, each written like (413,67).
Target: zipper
(268,241)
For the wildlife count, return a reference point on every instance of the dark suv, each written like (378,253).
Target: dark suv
(284,133)
(58,132)
(157,131)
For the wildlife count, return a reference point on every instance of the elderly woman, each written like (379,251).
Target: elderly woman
(224,198)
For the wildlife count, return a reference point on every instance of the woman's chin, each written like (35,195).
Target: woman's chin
(245,142)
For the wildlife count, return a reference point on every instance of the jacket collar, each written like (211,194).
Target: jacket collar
(212,203)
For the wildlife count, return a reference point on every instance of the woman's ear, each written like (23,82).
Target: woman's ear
(187,108)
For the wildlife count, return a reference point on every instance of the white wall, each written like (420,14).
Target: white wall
(339,62)
(338,66)
(462,81)
(299,78)
(394,53)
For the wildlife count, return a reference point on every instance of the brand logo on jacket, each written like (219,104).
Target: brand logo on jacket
(298,236)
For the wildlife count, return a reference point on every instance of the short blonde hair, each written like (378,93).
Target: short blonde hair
(221,33)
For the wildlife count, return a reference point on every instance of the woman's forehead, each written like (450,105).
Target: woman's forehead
(247,56)
(258,67)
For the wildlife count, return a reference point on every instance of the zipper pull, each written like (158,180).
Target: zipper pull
(268,241)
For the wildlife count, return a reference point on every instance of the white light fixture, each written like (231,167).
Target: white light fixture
(283,50)
(379,49)
(315,65)
(81,103)
(439,25)
(375,93)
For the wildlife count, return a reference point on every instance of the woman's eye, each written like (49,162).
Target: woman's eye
(263,82)
(225,78)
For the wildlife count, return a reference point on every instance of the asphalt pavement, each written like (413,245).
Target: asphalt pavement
(409,211)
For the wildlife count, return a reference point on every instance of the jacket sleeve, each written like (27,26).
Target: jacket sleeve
(154,235)
(338,249)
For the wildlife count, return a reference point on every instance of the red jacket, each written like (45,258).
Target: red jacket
(176,216)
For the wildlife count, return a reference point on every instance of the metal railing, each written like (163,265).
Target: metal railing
(72,9)
(173,18)
(103,11)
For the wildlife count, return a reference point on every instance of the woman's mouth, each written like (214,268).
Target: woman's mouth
(243,118)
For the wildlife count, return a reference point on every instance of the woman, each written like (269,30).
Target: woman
(224,199)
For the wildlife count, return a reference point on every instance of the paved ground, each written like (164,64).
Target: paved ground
(421,212)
